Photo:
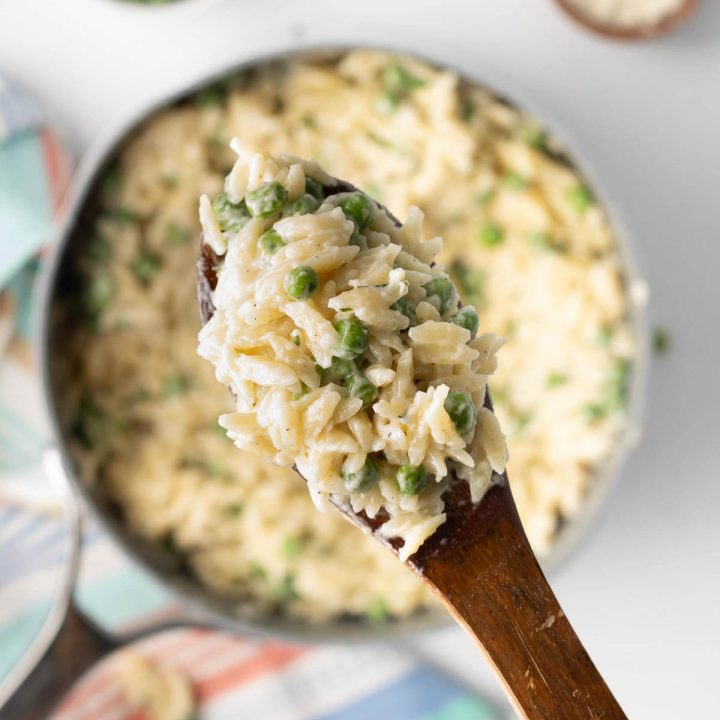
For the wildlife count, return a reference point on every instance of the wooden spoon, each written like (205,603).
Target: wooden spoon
(480,564)
(666,24)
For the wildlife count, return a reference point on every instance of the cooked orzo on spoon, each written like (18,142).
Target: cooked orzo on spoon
(350,358)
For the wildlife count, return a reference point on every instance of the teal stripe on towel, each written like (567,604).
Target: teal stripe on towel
(17,636)
(465,707)
(122,598)
(21,287)
(20,444)
(25,202)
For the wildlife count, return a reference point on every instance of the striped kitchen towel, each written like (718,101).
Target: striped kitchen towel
(34,172)
(231,677)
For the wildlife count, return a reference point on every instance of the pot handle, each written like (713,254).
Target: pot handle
(67,643)
(77,646)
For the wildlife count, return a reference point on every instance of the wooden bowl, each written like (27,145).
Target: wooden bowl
(633,32)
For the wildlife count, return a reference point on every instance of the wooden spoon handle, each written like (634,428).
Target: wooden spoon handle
(495,588)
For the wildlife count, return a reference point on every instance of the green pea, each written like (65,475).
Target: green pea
(230,216)
(544,241)
(470,282)
(556,379)
(210,97)
(176,385)
(304,390)
(177,234)
(171,180)
(100,248)
(382,142)
(217,470)
(235,509)
(270,241)
(443,290)
(286,589)
(137,396)
(468,319)
(411,479)
(301,282)
(397,80)
(98,294)
(266,200)
(515,181)
(124,216)
(339,371)
(580,198)
(292,547)
(359,208)
(594,412)
(309,122)
(314,188)
(345,372)
(258,571)
(616,386)
(363,479)
(359,386)
(485,197)
(615,393)
(305,205)
(605,336)
(403,306)
(89,424)
(353,340)
(387,103)
(460,408)
(168,542)
(534,136)
(522,421)
(146,267)
(466,109)
(661,341)
(113,180)
(219,431)
(218,137)
(491,235)
(378,610)
(355,237)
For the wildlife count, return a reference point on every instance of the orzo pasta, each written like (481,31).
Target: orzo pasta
(525,244)
(341,340)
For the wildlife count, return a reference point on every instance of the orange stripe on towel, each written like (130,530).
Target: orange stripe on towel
(57,168)
(137,715)
(271,657)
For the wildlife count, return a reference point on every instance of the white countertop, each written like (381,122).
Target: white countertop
(643,590)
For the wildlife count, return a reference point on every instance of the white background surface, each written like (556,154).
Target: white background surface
(643,590)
